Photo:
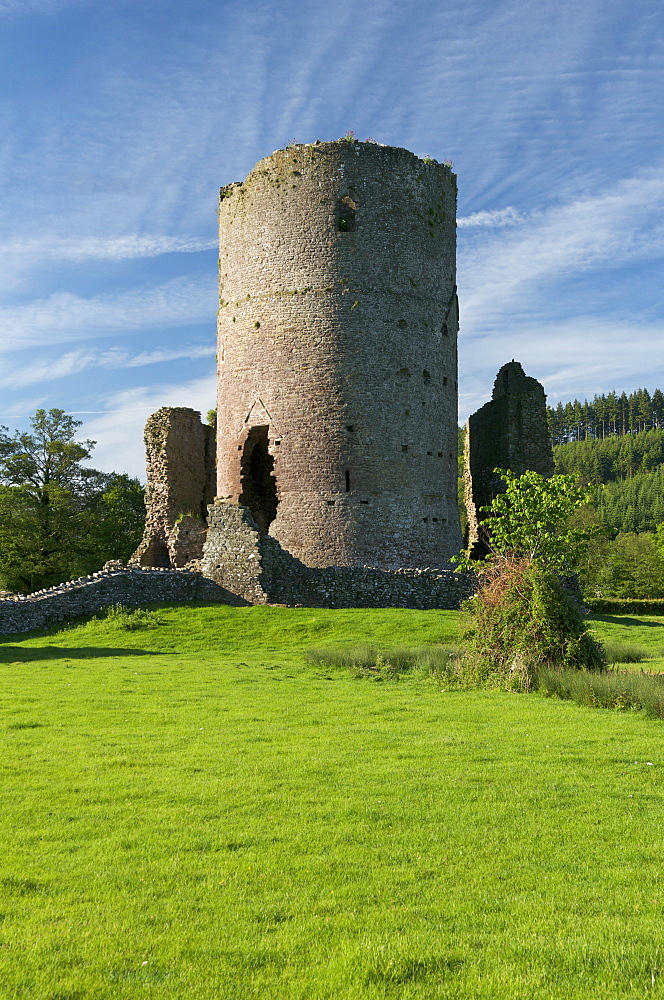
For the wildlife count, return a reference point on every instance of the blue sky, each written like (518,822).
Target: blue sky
(120,121)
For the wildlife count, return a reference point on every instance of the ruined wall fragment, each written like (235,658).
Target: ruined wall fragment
(181,475)
(509,432)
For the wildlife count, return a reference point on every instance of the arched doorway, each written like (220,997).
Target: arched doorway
(258,484)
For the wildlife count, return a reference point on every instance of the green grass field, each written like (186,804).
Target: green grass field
(192,811)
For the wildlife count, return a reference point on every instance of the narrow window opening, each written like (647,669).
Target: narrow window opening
(404,447)
(426,520)
(346,209)
(347,481)
(435,520)
(429,453)
(444,330)
(440,454)
(444,379)
(330,503)
(349,427)
(258,483)
(364,501)
(426,375)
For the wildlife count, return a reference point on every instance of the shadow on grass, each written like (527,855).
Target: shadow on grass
(613,619)
(16,654)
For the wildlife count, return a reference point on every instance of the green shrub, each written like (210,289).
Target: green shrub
(519,621)
(611,689)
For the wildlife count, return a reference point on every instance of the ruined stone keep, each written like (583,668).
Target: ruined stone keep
(509,432)
(337,355)
(337,391)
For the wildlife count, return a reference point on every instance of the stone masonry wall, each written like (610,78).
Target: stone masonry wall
(181,473)
(337,354)
(509,432)
(91,594)
(255,567)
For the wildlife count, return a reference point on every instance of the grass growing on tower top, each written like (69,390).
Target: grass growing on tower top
(193,811)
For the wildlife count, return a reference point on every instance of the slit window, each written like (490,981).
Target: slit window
(346,209)
(347,480)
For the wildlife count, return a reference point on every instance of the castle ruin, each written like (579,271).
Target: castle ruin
(337,382)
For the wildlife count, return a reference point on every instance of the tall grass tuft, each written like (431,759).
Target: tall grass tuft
(610,689)
(625,652)
(118,616)
(436,662)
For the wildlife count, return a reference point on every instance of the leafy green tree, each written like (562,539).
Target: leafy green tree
(59,518)
(630,565)
(531,520)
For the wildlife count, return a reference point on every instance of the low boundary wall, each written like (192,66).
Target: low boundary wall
(91,594)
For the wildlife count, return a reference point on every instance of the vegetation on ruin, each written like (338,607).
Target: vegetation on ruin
(521,619)
(59,518)
(193,811)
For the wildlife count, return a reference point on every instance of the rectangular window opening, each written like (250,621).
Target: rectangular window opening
(347,480)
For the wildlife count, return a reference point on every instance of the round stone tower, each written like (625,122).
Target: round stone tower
(337,354)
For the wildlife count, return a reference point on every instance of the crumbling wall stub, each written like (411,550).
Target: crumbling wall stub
(509,432)
(255,567)
(180,453)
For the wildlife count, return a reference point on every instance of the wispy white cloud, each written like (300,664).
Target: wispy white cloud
(580,357)
(64,317)
(115,248)
(75,362)
(607,230)
(119,431)
(495,219)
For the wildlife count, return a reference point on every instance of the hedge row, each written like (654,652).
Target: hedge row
(624,605)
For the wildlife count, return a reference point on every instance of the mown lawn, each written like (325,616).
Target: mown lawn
(193,812)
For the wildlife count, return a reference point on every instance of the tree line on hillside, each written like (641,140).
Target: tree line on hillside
(60,519)
(606,415)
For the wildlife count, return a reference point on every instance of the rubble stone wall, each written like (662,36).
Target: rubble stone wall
(91,594)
